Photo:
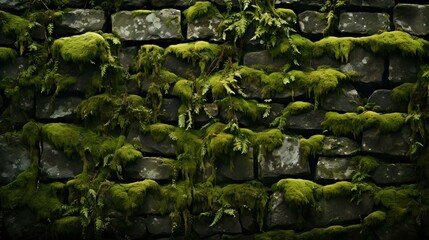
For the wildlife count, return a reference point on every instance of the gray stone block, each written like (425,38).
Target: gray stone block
(15,158)
(406,229)
(383,4)
(382,101)
(55,165)
(204,28)
(337,169)
(363,22)
(412,18)
(339,146)
(149,145)
(242,169)
(170,110)
(308,121)
(48,108)
(145,25)
(344,98)
(369,67)
(280,215)
(403,69)
(227,224)
(153,168)
(248,221)
(127,56)
(12,69)
(393,174)
(393,144)
(286,160)
(79,21)
(180,67)
(17,5)
(312,22)
(159,225)
(263,60)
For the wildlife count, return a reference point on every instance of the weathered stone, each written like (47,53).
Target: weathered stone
(12,69)
(79,21)
(369,67)
(21,223)
(337,169)
(286,160)
(152,205)
(137,230)
(393,144)
(149,145)
(312,22)
(227,224)
(248,221)
(134,4)
(341,210)
(38,32)
(204,28)
(280,215)
(416,23)
(159,225)
(180,67)
(48,108)
(339,146)
(403,69)
(311,3)
(127,56)
(363,22)
(308,121)
(406,229)
(382,101)
(14,4)
(144,25)
(396,173)
(55,165)
(169,109)
(241,169)
(153,168)
(83,78)
(15,158)
(172,3)
(324,60)
(344,98)
(263,60)
(383,4)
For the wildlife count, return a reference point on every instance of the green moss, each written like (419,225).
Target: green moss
(82,49)
(184,89)
(249,107)
(331,232)
(201,9)
(269,139)
(287,47)
(160,131)
(31,133)
(338,189)
(374,219)
(16,27)
(366,164)
(67,226)
(298,193)
(7,54)
(311,146)
(337,47)
(149,59)
(291,109)
(403,92)
(277,235)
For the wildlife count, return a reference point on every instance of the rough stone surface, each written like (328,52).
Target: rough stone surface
(159,225)
(227,224)
(280,215)
(344,98)
(309,121)
(172,3)
(55,165)
(382,101)
(148,168)
(15,158)
(134,4)
(312,22)
(284,161)
(369,67)
(416,23)
(147,25)
(241,170)
(341,210)
(396,173)
(127,55)
(180,67)
(79,21)
(83,77)
(13,68)
(248,221)
(394,144)
(339,146)
(383,4)
(263,60)
(204,28)
(169,109)
(337,169)
(363,22)
(403,69)
(149,145)
(406,229)
(14,4)
(47,108)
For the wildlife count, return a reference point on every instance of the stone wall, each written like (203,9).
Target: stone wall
(157,119)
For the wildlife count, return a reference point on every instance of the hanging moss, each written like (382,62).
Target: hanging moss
(149,59)
(297,192)
(249,107)
(311,146)
(82,49)
(337,47)
(7,54)
(201,9)
(403,92)
(16,27)
(291,109)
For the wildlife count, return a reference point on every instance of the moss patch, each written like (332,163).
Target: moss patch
(7,54)
(16,27)
(291,109)
(201,9)
(297,192)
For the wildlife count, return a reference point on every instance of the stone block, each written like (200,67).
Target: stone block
(127,56)
(16,5)
(308,121)
(368,66)
(172,3)
(382,4)
(180,67)
(55,165)
(58,108)
(406,229)
(263,60)
(145,25)
(280,215)
(416,23)
(83,78)
(154,168)
(170,110)
(241,169)
(344,98)
(312,22)
(248,221)
(363,22)
(80,21)
(12,69)
(134,4)
(382,101)
(337,169)
(159,225)
(403,69)
(392,144)
(227,224)
(204,28)
(21,223)
(286,160)
(149,145)
(393,174)
(339,146)
(15,158)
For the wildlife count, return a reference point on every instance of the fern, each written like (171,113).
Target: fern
(221,212)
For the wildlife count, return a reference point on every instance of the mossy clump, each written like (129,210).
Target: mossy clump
(7,54)
(374,219)
(149,59)
(297,193)
(403,92)
(31,133)
(16,27)
(248,107)
(338,189)
(67,226)
(161,131)
(82,49)
(201,9)
(291,109)
(268,140)
(331,232)
(312,145)
(365,166)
